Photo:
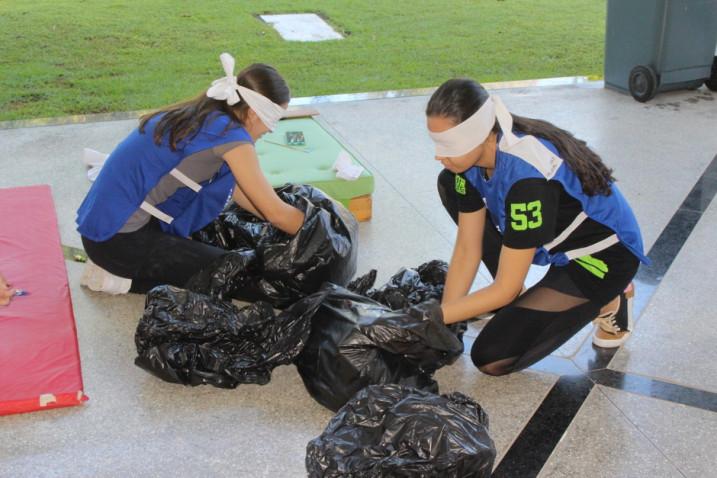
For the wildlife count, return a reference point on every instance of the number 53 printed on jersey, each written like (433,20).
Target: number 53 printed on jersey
(526,215)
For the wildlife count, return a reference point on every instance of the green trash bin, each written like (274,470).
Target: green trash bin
(660,45)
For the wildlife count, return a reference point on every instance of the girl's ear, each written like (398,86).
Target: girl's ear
(250,117)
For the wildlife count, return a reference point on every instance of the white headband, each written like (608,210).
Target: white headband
(472,132)
(465,136)
(227,89)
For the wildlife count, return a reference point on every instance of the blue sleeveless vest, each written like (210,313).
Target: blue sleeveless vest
(136,166)
(611,211)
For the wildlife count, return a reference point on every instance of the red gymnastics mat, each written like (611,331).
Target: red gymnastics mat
(39,358)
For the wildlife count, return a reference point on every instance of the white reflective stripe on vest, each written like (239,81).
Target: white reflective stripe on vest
(592,249)
(153,211)
(184,179)
(579,219)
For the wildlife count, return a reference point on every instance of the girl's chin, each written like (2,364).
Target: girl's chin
(457,169)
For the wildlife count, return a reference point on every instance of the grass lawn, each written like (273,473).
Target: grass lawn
(63,57)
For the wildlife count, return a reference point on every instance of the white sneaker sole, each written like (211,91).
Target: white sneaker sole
(614,343)
(609,343)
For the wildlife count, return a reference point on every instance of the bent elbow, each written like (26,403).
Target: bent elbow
(507,293)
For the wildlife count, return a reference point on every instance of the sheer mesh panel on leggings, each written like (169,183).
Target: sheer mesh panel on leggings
(534,325)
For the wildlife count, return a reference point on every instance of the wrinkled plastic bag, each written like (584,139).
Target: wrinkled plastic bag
(194,339)
(394,431)
(407,287)
(267,264)
(356,341)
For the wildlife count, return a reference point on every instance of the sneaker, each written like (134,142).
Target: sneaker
(96,278)
(613,328)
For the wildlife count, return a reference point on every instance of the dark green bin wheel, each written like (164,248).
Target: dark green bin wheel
(643,83)
(711,83)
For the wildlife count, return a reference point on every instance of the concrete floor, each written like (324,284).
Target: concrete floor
(135,424)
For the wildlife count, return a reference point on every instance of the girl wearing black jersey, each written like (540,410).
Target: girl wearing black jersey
(523,191)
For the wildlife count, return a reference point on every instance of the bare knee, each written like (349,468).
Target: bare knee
(495,369)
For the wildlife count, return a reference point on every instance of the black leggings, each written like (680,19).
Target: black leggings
(543,318)
(151,257)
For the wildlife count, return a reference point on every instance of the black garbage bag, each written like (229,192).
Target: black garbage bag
(194,339)
(267,264)
(356,341)
(407,287)
(394,431)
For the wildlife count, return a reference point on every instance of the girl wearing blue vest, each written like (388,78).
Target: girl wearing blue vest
(523,192)
(174,174)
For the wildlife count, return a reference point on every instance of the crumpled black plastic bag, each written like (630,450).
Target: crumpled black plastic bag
(268,264)
(407,287)
(394,431)
(193,339)
(356,341)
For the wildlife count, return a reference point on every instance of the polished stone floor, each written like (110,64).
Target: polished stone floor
(649,410)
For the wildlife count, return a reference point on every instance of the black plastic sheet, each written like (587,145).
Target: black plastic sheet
(356,341)
(193,339)
(394,431)
(407,287)
(268,264)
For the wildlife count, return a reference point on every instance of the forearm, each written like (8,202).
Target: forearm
(480,302)
(284,216)
(512,268)
(289,219)
(243,201)
(461,273)
(254,193)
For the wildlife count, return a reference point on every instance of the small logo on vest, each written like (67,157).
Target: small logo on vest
(460,185)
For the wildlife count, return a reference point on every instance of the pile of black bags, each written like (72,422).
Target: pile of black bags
(194,339)
(377,347)
(394,431)
(267,264)
(356,341)
(339,340)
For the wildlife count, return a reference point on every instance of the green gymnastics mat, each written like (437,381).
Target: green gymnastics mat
(284,161)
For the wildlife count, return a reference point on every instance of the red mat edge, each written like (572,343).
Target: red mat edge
(33,404)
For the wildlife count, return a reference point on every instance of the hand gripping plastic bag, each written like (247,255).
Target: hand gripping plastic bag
(194,339)
(356,341)
(394,431)
(267,264)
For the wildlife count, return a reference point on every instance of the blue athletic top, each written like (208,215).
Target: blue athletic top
(612,211)
(136,166)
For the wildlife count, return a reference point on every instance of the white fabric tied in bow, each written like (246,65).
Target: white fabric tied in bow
(227,89)
(472,132)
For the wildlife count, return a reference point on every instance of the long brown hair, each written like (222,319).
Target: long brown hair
(460,98)
(184,120)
